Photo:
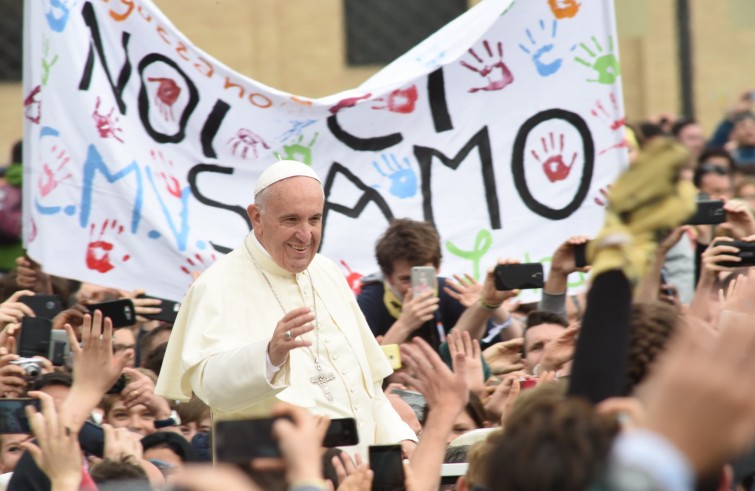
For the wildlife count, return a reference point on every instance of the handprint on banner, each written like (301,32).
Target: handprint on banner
(166,96)
(245,139)
(57,13)
(605,65)
(172,185)
(33,106)
(106,123)
(399,101)
(197,263)
(353,278)
(538,50)
(348,102)
(99,249)
(554,167)
(50,179)
(602,198)
(600,112)
(47,63)
(403,178)
(564,9)
(297,126)
(494,70)
(298,150)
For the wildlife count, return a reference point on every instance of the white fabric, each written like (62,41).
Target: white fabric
(219,344)
(281,170)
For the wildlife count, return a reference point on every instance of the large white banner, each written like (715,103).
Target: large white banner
(141,151)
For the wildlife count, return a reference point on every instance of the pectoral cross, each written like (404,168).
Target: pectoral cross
(322,378)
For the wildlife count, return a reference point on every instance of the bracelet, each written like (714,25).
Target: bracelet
(172,420)
(488,307)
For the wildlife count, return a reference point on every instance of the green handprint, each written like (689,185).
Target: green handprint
(299,151)
(606,65)
(482,244)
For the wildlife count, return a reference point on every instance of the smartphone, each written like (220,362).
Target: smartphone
(424,280)
(393,353)
(60,350)
(387,465)
(13,415)
(168,310)
(746,253)
(342,432)
(239,441)
(92,439)
(580,255)
(708,212)
(34,339)
(45,306)
(519,276)
(121,312)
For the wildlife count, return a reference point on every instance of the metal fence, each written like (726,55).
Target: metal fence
(378,31)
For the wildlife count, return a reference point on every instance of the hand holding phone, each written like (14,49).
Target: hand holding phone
(387,465)
(746,253)
(424,280)
(519,276)
(44,306)
(34,339)
(121,312)
(708,212)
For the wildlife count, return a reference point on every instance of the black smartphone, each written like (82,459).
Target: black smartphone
(60,350)
(13,415)
(168,310)
(45,306)
(519,276)
(708,212)
(239,441)
(746,253)
(580,255)
(387,466)
(34,339)
(118,386)
(121,312)
(92,439)
(342,432)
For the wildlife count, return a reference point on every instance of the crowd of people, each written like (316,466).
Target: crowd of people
(641,382)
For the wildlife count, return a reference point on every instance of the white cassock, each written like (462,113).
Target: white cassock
(219,343)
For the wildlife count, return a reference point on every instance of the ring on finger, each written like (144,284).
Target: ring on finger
(288,336)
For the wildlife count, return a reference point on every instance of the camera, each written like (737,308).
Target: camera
(31,366)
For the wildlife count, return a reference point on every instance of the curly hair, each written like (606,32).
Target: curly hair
(652,324)
(417,243)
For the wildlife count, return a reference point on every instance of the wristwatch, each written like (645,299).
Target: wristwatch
(173,420)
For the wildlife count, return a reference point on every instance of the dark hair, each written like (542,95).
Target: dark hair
(17,153)
(538,317)
(650,130)
(124,474)
(172,441)
(652,324)
(154,359)
(559,445)
(148,337)
(52,378)
(703,170)
(417,243)
(679,125)
(716,152)
(192,411)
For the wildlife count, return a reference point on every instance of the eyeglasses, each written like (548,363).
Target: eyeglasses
(712,169)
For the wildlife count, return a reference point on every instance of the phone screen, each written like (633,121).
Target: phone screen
(240,441)
(424,280)
(34,339)
(387,465)
(13,415)
(121,312)
(519,276)
(45,306)
(342,432)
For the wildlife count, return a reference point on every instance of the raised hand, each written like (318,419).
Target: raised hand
(12,311)
(505,357)
(287,334)
(465,289)
(415,311)
(462,343)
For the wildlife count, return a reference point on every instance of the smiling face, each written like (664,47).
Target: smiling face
(287,220)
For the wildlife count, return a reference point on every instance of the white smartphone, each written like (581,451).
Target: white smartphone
(423,280)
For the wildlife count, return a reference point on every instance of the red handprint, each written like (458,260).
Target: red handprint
(246,139)
(554,167)
(106,124)
(50,179)
(197,262)
(98,249)
(353,278)
(172,185)
(399,101)
(612,120)
(602,197)
(493,70)
(167,95)
(348,102)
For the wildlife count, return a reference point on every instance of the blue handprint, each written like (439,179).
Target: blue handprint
(537,51)
(57,13)
(403,179)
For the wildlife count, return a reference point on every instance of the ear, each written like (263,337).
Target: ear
(461,484)
(254,215)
